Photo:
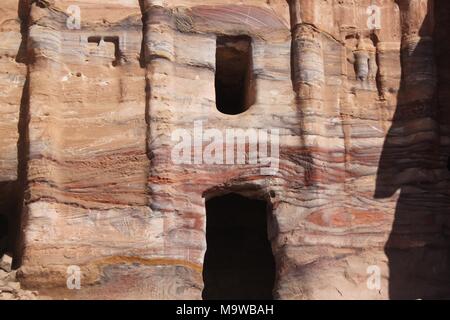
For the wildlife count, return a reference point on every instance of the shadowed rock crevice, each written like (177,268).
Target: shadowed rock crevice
(12,192)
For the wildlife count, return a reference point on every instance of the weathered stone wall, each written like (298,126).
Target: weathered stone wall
(87,168)
(363,122)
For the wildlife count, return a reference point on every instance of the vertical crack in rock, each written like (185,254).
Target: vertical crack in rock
(15,94)
(376,65)
(23,143)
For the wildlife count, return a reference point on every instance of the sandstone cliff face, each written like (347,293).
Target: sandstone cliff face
(87,115)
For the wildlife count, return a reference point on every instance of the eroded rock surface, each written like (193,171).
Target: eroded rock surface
(92,91)
(10,288)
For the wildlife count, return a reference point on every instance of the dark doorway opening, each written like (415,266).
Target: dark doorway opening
(9,211)
(235,91)
(239,263)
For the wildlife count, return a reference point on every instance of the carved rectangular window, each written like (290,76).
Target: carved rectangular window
(105,47)
(234,83)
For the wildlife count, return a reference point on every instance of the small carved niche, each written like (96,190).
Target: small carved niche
(106,47)
(235,91)
(362,55)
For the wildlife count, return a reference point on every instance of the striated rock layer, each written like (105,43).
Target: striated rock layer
(87,113)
